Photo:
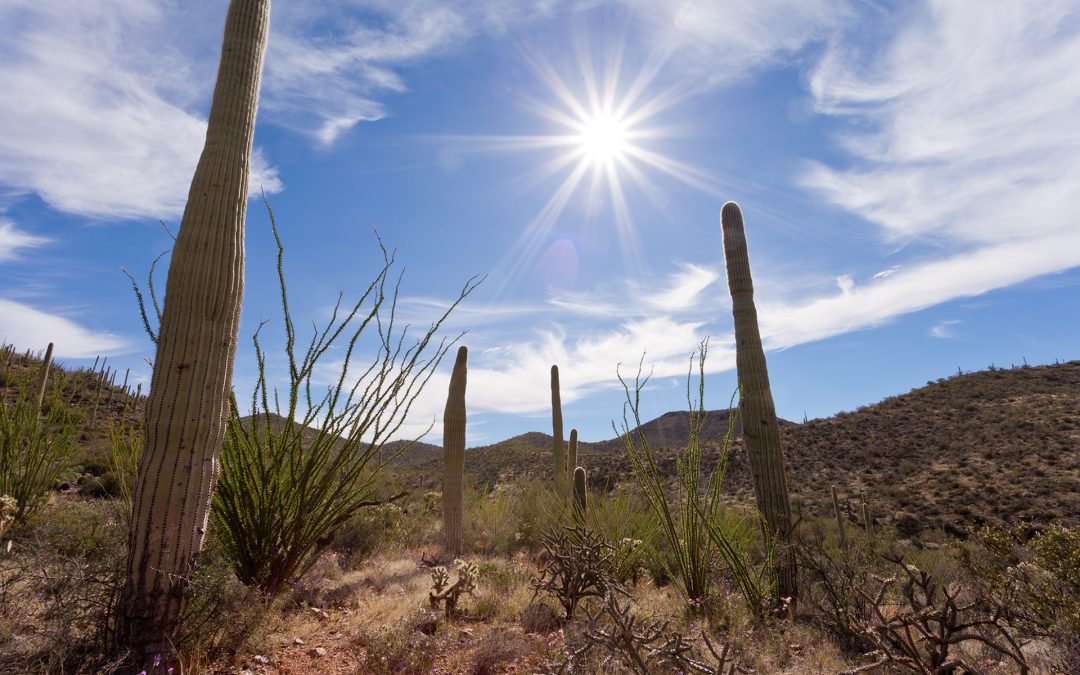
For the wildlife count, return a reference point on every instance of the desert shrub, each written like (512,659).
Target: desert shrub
(495,651)
(293,474)
(402,647)
(615,638)
(830,576)
(376,528)
(1035,575)
(920,625)
(625,521)
(540,617)
(493,519)
(57,586)
(36,443)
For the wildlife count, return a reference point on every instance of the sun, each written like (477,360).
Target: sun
(602,143)
(604,138)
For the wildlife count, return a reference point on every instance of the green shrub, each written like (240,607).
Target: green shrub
(36,444)
(376,528)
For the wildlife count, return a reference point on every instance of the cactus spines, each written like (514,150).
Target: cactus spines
(571,455)
(454,453)
(581,495)
(558,446)
(839,517)
(43,376)
(187,408)
(761,432)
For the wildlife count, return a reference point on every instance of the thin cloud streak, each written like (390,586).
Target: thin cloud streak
(12,240)
(26,326)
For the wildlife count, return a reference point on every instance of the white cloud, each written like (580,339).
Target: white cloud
(964,124)
(98,113)
(30,328)
(943,329)
(12,239)
(720,42)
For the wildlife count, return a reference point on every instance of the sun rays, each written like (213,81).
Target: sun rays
(602,144)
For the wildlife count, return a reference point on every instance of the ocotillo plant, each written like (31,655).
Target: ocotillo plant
(571,456)
(454,453)
(189,395)
(581,496)
(558,447)
(43,376)
(761,431)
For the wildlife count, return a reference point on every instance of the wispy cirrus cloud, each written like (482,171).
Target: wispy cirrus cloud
(102,113)
(12,240)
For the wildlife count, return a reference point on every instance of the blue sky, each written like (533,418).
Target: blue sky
(908,174)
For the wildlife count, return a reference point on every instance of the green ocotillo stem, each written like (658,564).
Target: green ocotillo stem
(581,496)
(839,517)
(43,376)
(761,431)
(454,453)
(186,411)
(571,455)
(558,446)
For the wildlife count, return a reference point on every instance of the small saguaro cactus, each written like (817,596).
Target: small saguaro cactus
(839,517)
(571,456)
(43,376)
(454,453)
(761,430)
(868,519)
(558,446)
(581,495)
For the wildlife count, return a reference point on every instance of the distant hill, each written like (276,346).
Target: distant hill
(995,445)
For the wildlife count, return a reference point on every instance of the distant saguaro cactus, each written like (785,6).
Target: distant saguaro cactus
(581,496)
(558,446)
(188,405)
(839,517)
(454,453)
(571,456)
(761,430)
(43,376)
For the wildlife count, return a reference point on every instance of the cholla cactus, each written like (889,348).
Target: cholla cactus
(468,574)
(8,508)
(454,453)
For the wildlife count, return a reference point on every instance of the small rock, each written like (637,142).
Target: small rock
(298,641)
(317,652)
(261,660)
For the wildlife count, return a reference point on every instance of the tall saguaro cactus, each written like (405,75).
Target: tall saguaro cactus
(761,430)
(187,408)
(558,447)
(571,455)
(454,453)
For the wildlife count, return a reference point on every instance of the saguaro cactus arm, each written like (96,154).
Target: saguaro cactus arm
(189,396)
(558,446)
(454,453)
(581,495)
(761,431)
